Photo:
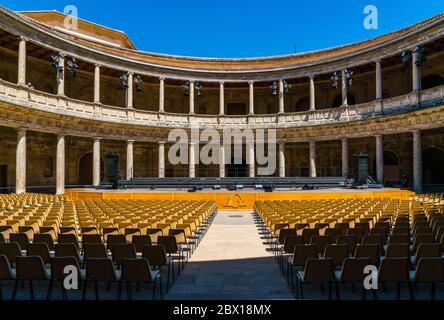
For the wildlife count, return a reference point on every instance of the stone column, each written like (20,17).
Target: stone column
(251,97)
(221,99)
(417,161)
(379,159)
(60,165)
(344,157)
(96,83)
(161,159)
(21,79)
(312,159)
(192,160)
(312,94)
(281,96)
(344,89)
(251,159)
(281,159)
(222,161)
(129,159)
(415,72)
(96,161)
(20,165)
(378,80)
(191,97)
(129,91)
(161,94)
(61,76)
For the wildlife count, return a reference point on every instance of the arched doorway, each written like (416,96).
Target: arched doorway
(233,169)
(86,169)
(302,105)
(432,167)
(432,80)
(392,168)
(337,101)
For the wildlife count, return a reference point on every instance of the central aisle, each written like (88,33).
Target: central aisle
(231,262)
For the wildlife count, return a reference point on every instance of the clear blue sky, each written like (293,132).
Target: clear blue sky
(241,28)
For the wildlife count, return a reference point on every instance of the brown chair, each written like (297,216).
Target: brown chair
(139,271)
(99,270)
(399,238)
(343,226)
(140,241)
(20,238)
(429,270)
(172,249)
(68,230)
(154,233)
(6,231)
(375,239)
(368,251)
(6,273)
(89,230)
(308,233)
(108,231)
(399,250)
(427,250)
(58,265)
(334,233)
(93,238)
(289,245)
(46,238)
(113,239)
(401,230)
(381,231)
(30,268)
(67,250)
(69,238)
(157,257)
(123,251)
(422,238)
(349,240)
(396,270)
(364,225)
(353,272)
(11,250)
(130,232)
(321,242)
(39,249)
(95,250)
(357,232)
(337,252)
(318,271)
(300,256)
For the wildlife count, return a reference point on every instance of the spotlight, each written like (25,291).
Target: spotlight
(199,89)
(420,57)
(71,67)
(56,62)
(334,80)
(124,80)
(138,82)
(287,87)
(186,88)
(349,77)
(274,88)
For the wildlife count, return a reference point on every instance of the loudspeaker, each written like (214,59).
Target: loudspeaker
(112,168)
(361,172)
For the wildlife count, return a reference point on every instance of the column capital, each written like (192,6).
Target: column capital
(311,76)
(22,130)
(191,81)
(161,142)
(416,131)
(22,38)
(60,135)
(130,73)
(377,60)
(97,138)
(130,141)
(221,82)
(97,65)
(250,82)
(161,78)
(344,139)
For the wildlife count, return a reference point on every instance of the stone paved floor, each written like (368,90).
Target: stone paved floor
(231,262)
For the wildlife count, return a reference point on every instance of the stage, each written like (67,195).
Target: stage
(240,199)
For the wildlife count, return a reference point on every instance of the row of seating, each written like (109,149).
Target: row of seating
(346,231)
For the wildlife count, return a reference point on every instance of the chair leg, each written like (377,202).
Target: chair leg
(375,294)
(138,287)
(160,285)
(129,290)
(412,296)
(1,293)
(48,296)
(14,291)
(85,285)
(168,277)
(301,284)
(364,293)
(119,290)
(337,291)
(329,291)
(154,288)
(398,291)
(31,289)
(432,296)
(64,293)
(96,289)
